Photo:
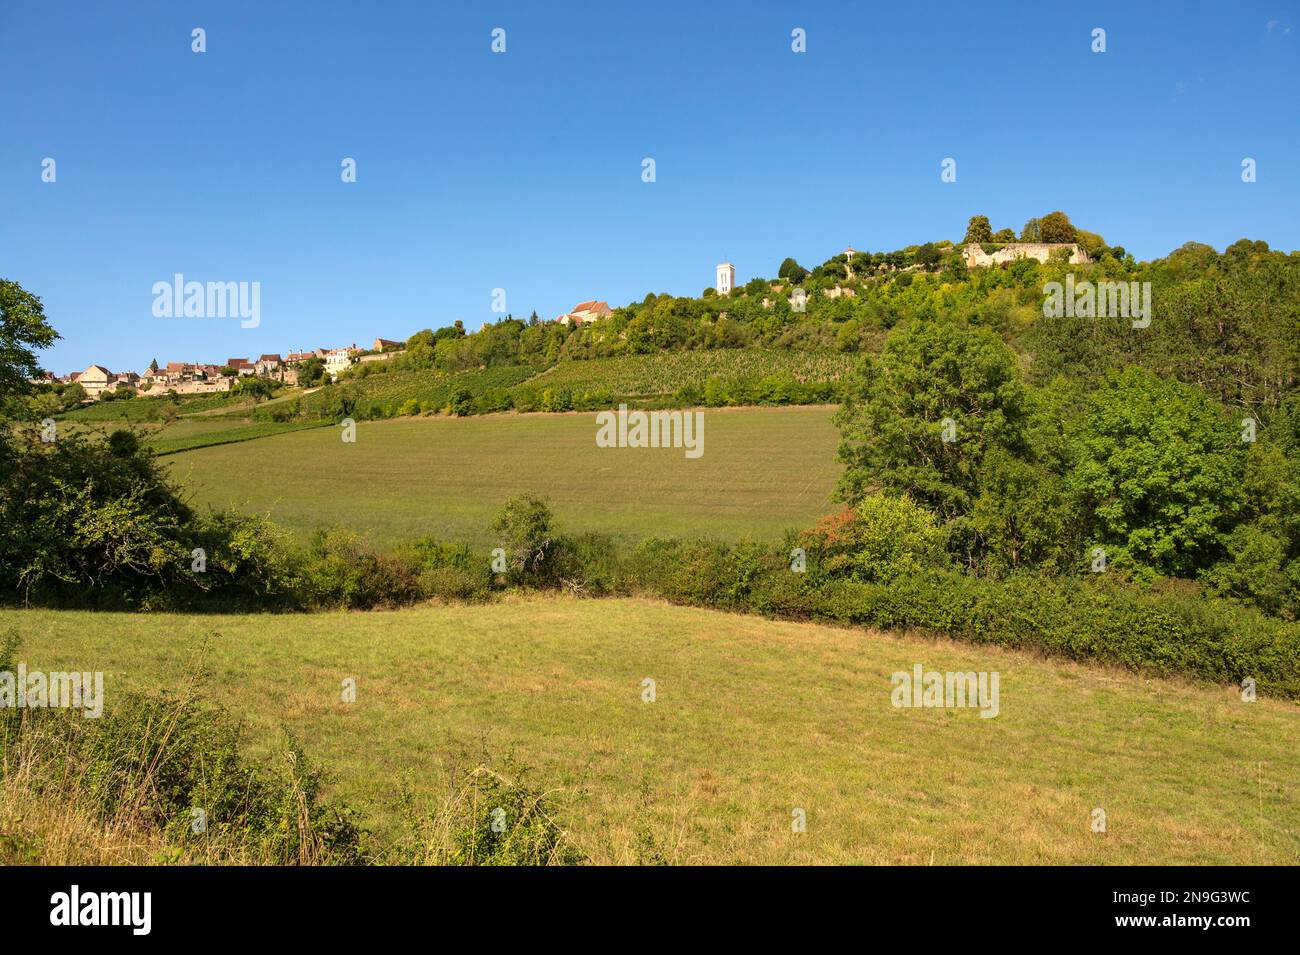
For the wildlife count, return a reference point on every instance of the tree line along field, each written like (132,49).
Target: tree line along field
(763,470)
(751,720)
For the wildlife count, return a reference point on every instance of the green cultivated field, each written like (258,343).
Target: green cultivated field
(206,432)
(753,718)
(763,470)
(629,377)
(663,373)
(197,431)
(395,387)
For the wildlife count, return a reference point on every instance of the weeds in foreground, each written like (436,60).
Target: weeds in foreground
(165,779)
(486,818)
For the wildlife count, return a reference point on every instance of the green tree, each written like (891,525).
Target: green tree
(310,372)
(920,418)
(73,394)
(23,330)
(927,256)
(255,388)
(978,230)
(524,531)
(1056,227)
(1090,242)
(1157,474)
(792,271)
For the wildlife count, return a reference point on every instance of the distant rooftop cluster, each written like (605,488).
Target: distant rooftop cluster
(184,377)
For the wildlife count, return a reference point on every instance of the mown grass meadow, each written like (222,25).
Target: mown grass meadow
(752,719)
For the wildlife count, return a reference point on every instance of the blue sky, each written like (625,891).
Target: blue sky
(522,170)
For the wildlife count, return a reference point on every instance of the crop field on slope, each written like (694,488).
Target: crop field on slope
(763,470)
(664,373)
(396,387)
(191,431)
(151,409)
(657,375)
(752,719)
(203,433)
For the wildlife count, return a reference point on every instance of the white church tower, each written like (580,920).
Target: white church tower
(726,278)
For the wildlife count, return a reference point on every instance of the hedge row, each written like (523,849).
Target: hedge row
(1079,619)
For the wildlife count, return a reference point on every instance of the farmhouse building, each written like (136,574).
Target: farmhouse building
(339,359)
(96,380)
(585,312)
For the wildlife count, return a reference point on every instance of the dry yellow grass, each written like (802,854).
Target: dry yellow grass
(753,719)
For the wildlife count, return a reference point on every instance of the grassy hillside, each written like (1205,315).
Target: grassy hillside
(752,719)
(763,470)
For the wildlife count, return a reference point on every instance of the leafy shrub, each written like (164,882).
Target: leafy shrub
(882,537)
(588,564)
(449,571)
(342,570)
(524,529)
(453,585)
(251,564)
(88,523)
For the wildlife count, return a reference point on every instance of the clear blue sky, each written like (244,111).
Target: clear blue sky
(523,171)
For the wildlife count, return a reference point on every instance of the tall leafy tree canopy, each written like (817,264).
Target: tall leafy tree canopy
(922,415)
(23,330)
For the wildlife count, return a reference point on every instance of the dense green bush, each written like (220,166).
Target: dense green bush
(99,524)
(881,538)
(341,569)
(251,565)
(88,522)
(524,531)
(590,564)
(449,571)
